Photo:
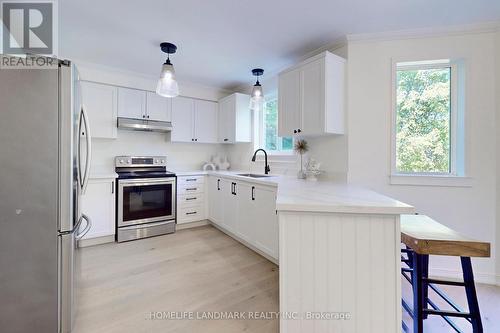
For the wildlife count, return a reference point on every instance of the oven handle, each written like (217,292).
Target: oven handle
(142,182)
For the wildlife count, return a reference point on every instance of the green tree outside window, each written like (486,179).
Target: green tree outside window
(272,142)
(423,120)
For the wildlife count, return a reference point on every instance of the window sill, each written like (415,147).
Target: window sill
(431,180)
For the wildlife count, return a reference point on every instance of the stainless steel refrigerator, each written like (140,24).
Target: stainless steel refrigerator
(44,167)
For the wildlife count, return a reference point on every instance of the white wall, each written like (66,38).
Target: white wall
(470,210)
(498,151)
(180,156)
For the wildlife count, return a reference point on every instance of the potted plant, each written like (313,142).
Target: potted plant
(301,147)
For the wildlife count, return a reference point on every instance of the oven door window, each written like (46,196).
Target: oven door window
(144,202)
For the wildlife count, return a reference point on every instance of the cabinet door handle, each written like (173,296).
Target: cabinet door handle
(112,187)
(299,130)
(147,116)
(294,131)
(190,213)
(225,140)
(253,192)
(234,188)
(218,184)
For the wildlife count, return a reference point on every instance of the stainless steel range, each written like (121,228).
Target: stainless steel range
(146,197)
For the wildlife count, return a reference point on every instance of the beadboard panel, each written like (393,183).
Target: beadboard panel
(345,263)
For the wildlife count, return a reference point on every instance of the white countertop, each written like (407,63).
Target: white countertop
(324,196)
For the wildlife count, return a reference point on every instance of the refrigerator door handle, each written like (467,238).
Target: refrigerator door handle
(85,178)
(88,225)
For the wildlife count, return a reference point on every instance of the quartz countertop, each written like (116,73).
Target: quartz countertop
(323,196)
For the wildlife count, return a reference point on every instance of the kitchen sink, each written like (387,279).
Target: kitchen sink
(252,175)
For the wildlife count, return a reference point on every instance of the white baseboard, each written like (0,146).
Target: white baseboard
(191,225)
(96,241)
(484,278)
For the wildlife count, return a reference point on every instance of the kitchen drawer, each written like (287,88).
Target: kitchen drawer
(189,200)
(183,189)
(191,214)
(190,180)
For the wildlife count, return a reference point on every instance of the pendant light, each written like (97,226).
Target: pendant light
(257,97)
(167,85)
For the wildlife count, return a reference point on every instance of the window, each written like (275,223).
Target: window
(269,138)
(427,132)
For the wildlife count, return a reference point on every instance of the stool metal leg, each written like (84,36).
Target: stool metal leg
(418,294)
(470,290)
(425,285)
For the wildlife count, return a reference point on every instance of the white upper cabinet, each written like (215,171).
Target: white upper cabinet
(205,121)
(100,102)
(235,119)
(182,119)
(312,97)
(194,120)
(158,107)
(131,103)
(289,100)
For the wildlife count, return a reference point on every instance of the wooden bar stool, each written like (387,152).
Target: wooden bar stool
(423,237)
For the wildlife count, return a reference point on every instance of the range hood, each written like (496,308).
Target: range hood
(144,125)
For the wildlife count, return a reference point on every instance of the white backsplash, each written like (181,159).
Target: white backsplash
(180,156)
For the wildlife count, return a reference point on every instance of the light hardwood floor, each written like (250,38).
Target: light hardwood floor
(200,269)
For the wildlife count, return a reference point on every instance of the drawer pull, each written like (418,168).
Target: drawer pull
(190,213)
(191,179)
(188,199)
(192,189)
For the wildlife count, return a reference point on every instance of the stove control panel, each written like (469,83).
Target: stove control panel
(140,161)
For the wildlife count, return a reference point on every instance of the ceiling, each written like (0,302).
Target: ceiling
(220,41)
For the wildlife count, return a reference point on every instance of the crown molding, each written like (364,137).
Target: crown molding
(455,30)
(332,46)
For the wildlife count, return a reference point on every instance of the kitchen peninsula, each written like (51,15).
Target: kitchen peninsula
(338,247)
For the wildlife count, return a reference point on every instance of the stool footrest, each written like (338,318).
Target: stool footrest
(447,313)
(444,282)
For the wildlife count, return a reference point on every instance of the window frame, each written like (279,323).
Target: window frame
(455,170)
(259,133)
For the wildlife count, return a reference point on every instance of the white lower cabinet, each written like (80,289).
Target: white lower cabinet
(247,210)
(215,201)
(98,203)
(230,205)
(265,220)
(191,203)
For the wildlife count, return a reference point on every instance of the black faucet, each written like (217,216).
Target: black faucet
(266,167)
